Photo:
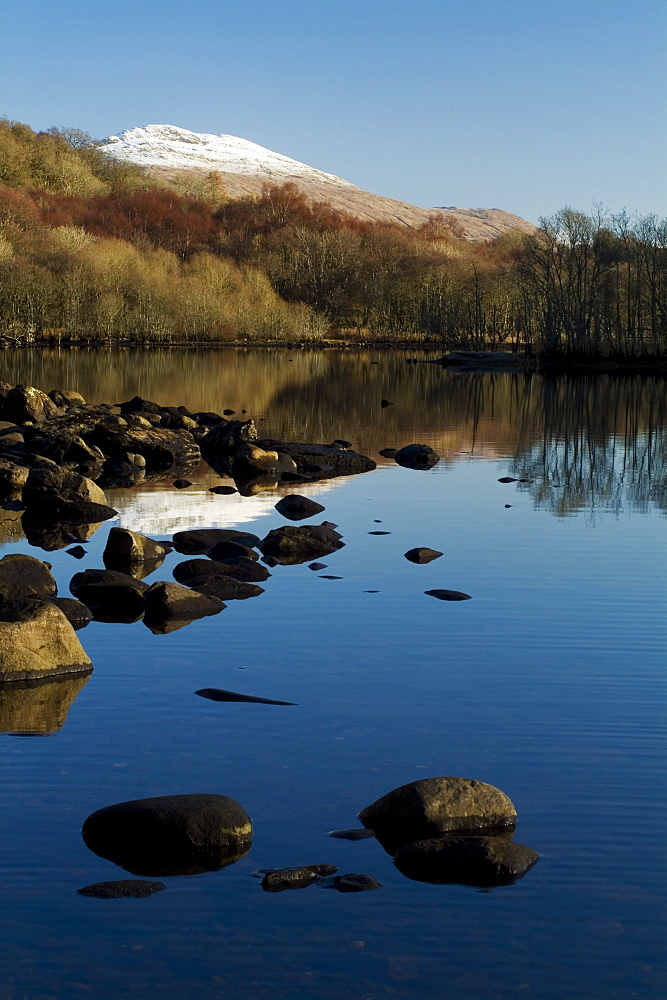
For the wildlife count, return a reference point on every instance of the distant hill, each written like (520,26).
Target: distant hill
(168,151)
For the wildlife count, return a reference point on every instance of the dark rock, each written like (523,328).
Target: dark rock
(291,544)
(388,452)
(225,437)
(23,403)
(218,694)
(351,882)
(279,879)
(48,490)
(11,435)
(226,588)
(417,456)
(66,398)
(122,889)
(507,479)
(52,536)
(226,549)
(432,807)
(139,405)
(199,541)
(36,640)
(328,576)
(223,491)
(252,462)
(125,549)
(170,834)
(76,613)
(24,576)
(341,444)
(448,595)
(229,413)
(242,569)
(109,577)
(181,484)
(422,555)
(385,402)
(479,861)
(111,595)
(507,505)
(13,477)
(379,532)
(484,360)
(165,601)
(321,461)
(78,552)
(355,833)
(296,507)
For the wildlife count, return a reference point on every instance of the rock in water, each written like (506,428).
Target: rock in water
(279,879)
(24,576)
(126,548)
(422,555)
(200,541)
(127,888)
(219,694)
(432,807)
(296,507)
(170,834)
(417,456)
(292,544)
(448,595)
(351,882)
(36,640)
(166,601)
(480,861)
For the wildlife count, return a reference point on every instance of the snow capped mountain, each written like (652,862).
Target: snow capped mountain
(179,149)
(166,150)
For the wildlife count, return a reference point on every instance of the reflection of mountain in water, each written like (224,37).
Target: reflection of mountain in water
(601,438)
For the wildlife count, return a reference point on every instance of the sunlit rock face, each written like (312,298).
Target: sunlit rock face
(38,709)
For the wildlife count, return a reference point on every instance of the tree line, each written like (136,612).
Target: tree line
(94,249)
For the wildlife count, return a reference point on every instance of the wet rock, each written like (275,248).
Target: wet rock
(181,484)
(225,550)
(122,889)
(219,694)
(24,402)
(125,549)
(229,413)
(279,879)
(417,456)
(66,398)
(49,490)
(341,444)
(252,462)
(296,507)
(111,595)
(484,360)
(226,588)
(321,461)
(507,479)
(384,403)
(478,861)
(242,569)
(200,541)
(448,595)
(225,437)
(351,882)
(108,577)
(11,435)
(379,532)
(354,833)
(39,706)
(329,576)
(76,613)
(291,545)
(422,555)
(36,640)
(317,565)
(165,601)
(139,405)
(13,477)
(24,576)
(78,552)
(170,834)
(388,452)
(432,807)
(223,491)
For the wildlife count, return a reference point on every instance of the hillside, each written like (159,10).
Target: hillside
(167,151)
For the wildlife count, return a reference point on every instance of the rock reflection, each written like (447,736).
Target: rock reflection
(485,862)
(38,708)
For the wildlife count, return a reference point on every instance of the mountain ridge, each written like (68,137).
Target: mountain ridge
(245,167)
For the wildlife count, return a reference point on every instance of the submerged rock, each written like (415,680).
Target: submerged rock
(355,833)
(296,507)
(170,834)
(479,861)
(36,640)
(431,807)
(417,456)
(122,889)
(350,882)
(279,879)
(219,694)
(448,595)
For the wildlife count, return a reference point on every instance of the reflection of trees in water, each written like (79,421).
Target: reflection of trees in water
(601,438)
(601,444)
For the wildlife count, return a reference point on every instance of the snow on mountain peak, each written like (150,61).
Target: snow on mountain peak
(179,149)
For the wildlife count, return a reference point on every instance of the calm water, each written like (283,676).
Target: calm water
(548,684)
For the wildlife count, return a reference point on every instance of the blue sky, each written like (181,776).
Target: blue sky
(523,105)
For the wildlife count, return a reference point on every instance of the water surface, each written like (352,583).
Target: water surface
(549,683)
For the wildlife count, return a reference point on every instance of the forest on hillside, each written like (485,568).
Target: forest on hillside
(93,250)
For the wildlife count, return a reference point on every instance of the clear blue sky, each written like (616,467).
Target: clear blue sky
(525,105)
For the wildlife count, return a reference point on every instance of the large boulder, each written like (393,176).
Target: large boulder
(48,490)
(24,576)
(225,437)
(432,807)
(170,834)
(293,544)
(25,403)
(37,641)
(479,861)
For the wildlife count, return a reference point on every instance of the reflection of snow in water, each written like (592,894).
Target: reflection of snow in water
(156,511)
